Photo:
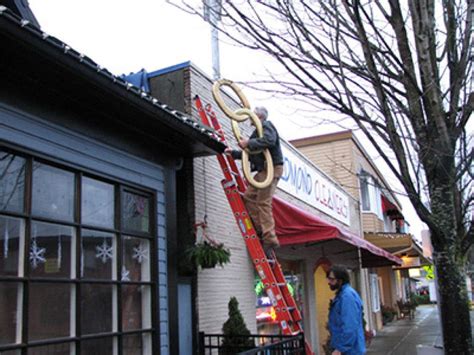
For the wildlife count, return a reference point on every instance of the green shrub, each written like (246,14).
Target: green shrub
(236,334)
(421,299)
(388,314)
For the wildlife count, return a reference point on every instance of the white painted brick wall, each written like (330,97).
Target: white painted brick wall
(217,286)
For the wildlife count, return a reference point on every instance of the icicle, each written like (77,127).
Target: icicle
(82,264)
(5,240)
(59,251)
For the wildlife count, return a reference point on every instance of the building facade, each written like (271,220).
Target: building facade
(318,224)
(89,166)
(343,157)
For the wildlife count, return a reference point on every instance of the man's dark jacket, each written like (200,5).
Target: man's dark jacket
(270,140)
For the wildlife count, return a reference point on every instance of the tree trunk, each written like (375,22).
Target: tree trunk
(454,304)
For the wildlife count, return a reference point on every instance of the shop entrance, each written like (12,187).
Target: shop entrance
(323,295)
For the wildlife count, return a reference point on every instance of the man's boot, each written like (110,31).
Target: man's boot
(270,243)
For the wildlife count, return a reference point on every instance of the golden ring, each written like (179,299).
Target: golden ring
(248,174)
(217,96)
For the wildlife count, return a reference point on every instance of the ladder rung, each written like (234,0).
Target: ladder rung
(281,284)
(228,184)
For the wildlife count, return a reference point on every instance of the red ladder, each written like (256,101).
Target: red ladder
(268,268)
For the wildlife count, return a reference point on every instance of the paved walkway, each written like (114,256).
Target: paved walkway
(401,337)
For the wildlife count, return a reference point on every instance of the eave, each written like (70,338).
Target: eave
(51,65)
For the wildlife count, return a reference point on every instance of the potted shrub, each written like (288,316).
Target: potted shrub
(388,314)
(236,334)
(368,333)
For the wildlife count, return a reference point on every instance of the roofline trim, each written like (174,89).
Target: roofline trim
(169,69)
(117,82)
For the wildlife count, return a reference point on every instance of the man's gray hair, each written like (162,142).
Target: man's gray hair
(261,112)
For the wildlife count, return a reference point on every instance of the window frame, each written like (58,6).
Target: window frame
(75,279)
(370,194)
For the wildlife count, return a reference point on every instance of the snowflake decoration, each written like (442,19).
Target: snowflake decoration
(125,274)
(140,254)
(104,252)
(36,255)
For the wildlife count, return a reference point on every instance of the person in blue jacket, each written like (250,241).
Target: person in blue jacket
(345,315)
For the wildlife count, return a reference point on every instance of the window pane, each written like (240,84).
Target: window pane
(10,312)
(100,346)
(136,259)
(53,349)
(136,212)
(12,239)
(49,307)
(364,191)
(11,352)
(52,250)
(53,192)
(97,203)
(97,307)
(12,182)
(136,307)
(99,255)
(137,344)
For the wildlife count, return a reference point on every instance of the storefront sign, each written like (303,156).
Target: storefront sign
(409,262)
(303,181)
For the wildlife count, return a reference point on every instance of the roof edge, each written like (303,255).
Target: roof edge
(169,69)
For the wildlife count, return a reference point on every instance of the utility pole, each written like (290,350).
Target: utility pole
(212,14)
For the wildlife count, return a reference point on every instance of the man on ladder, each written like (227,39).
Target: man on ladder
(259,200)
(254,200)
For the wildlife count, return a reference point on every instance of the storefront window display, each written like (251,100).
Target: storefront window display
(75,261)
(267,323)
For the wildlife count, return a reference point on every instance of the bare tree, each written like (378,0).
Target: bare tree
(403,73)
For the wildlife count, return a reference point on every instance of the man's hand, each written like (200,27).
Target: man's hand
(228,151)
(243,143)
(336,352)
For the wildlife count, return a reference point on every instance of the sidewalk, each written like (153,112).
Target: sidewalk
(402,336)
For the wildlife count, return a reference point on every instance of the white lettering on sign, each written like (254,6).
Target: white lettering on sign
(302,180)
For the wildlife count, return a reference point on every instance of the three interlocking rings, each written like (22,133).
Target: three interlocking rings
(241,115)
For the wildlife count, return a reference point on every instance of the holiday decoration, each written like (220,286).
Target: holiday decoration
(36,254)
(140,253)
(125,274)
(104,252)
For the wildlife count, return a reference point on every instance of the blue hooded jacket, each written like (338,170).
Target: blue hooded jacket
(345,322)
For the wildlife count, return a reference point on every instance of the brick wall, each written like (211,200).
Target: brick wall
(216,286)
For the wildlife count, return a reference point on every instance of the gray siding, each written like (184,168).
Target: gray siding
(51,141)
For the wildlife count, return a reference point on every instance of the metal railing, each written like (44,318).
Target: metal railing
(213,344)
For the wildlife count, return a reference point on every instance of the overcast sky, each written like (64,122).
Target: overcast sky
(126,36)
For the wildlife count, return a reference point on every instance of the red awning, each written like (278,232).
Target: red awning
(296,226)
(390,209)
